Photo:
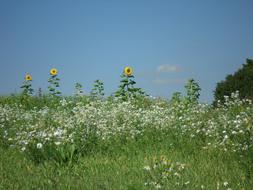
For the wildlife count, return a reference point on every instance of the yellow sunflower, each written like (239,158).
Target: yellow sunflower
(28,77)
(128,71)
(53,71)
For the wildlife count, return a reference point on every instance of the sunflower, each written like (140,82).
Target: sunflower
(53,71)
(28,77)
(128,71)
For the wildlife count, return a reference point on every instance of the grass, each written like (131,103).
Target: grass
(121,167)
(138,153)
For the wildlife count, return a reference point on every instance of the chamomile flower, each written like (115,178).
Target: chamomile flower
(39,145)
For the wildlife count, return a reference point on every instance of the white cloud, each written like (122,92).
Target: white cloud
(165,81)
(168,68)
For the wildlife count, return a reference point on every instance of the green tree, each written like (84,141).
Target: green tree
(241,80)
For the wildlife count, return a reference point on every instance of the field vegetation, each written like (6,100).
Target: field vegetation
(126,141)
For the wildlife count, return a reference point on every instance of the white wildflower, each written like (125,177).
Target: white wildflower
(147,168)
(186,183)
(57,143)
(158,186)
(39,145)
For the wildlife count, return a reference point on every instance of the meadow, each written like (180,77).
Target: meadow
(126,141)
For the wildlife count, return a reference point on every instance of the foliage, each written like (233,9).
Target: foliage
(161,171)
(39,94)
(98,90)
(79,142)
(176,97)
(87,123)
(193,91)
(54,85)
(241,80)
(78,89)
(27,88)
(127,90)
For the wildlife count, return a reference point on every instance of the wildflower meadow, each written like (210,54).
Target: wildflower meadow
(128,140)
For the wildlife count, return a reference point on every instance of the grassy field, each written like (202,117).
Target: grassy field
(143,143)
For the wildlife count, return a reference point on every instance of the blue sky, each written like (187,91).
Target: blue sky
(166,42)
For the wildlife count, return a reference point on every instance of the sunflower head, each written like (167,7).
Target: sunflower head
(53,72)
(128,71)
(28,77)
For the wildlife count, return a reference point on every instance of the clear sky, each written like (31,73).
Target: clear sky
(166,42)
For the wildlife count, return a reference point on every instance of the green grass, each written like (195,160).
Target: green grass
(121,167)
(98,156)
